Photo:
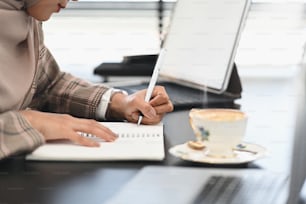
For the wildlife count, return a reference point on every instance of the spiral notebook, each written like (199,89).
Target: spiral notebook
(143,142)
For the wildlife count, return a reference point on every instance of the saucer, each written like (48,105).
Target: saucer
(245,153)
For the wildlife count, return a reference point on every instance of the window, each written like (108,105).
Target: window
(274,34)
(274,31)
(93,31)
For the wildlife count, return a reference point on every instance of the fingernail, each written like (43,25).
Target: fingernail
(152,113)
(114,138)
(96,144)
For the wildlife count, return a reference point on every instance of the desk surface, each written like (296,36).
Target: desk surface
(268,102)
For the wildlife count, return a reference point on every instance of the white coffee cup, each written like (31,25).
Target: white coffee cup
(221,130)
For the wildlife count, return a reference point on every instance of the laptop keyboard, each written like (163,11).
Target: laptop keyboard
(185,97)
(253,189)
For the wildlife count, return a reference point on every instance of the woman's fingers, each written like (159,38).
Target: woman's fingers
(161,101)
(62,126)
(152,121)
(81,140)
(94,128)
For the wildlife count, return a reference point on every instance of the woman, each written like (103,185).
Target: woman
(40,103)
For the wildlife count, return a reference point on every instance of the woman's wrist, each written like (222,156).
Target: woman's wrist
(28,115)
(33,117)
(117,105)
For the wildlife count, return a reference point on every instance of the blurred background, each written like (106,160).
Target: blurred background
(90,32)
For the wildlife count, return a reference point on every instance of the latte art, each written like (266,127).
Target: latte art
(219,115)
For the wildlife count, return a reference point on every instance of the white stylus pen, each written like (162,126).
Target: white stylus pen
(153,79)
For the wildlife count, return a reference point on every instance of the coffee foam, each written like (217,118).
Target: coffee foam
(219,115)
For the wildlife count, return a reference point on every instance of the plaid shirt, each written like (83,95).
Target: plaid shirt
(51,91)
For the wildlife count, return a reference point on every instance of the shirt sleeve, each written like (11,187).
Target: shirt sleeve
(60,92)
(105,100)
(102,108)
(17,135)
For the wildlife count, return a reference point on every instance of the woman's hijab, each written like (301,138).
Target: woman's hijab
(18,53)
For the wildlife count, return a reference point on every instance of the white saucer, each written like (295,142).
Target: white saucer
(246,152)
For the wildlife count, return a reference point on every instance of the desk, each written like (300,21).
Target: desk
(269,103)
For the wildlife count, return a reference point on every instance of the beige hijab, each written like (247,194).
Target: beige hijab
(18,50)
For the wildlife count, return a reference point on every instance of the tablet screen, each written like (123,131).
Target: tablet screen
(201,42)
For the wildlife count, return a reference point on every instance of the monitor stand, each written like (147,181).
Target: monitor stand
(137,65)
(234,87)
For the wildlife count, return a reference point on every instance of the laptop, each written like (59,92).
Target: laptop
(193,185)
(201,43)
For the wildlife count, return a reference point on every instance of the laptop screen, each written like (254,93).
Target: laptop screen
(201,42)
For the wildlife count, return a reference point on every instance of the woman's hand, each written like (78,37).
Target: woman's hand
(61,126)
(130,107)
